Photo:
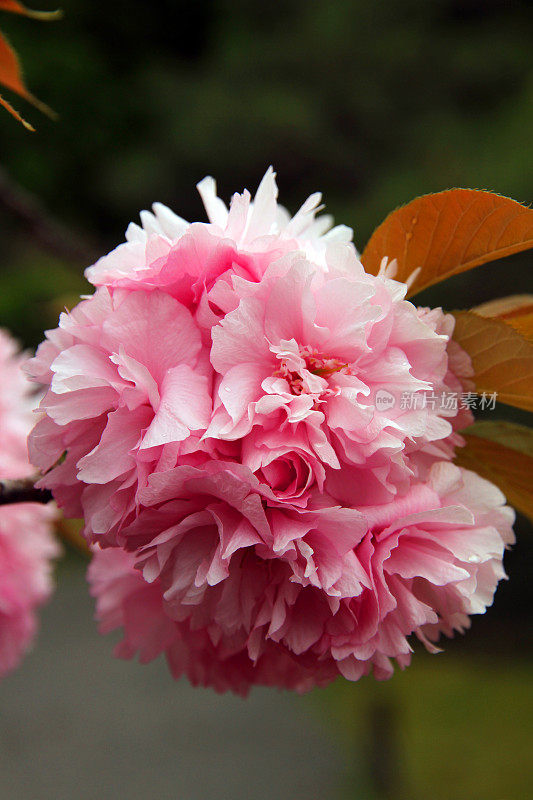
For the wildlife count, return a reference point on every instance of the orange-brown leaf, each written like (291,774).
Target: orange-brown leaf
(508,434)
(10,71)
(11,77)
(447,233)
(516,310)
(15,113)
(510,468)
(502,358)
(20,8)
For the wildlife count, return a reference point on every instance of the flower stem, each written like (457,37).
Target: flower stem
(22,491)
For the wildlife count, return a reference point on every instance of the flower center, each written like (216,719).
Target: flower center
(319,365)
(305,370)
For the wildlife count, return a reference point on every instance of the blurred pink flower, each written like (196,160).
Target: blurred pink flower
(26,542)
(16,406)
(231,414)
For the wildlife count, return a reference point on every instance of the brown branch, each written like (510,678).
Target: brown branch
(44,230)
(22,491)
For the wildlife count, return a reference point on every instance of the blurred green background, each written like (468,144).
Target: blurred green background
(370,102)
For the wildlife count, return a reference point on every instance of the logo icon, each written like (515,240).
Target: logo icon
(384,400)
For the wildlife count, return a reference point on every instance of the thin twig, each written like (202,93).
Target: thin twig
(22,491)
(45,231)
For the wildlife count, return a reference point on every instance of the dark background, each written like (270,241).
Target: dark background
(371,102)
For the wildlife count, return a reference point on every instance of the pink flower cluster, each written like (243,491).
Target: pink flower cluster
(26,542)
(257,516)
